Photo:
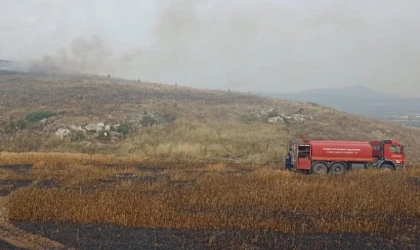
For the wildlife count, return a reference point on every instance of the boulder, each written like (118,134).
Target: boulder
(95,127)
(275,119)
(108,127)
(100,126)
(43,121)
(54,127)
(75,128)
(62,132)
(91,127)
(298,118)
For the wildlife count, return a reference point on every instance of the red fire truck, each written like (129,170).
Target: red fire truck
(336,157)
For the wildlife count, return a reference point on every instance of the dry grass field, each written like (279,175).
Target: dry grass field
(133,193)
(203,167)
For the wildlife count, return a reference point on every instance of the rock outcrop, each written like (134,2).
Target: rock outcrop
(300,118)
(95,127)
(275,119)
(62,132)
(278,115)
(76,128)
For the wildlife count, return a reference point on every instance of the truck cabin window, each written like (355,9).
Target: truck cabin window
(394,149)
(304,151)
(303,154)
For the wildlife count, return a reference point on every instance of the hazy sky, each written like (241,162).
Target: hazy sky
(246,45)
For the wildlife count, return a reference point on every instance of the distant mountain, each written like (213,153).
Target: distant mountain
(357,100)
(354,91)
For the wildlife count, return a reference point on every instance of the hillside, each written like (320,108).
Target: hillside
(92,114)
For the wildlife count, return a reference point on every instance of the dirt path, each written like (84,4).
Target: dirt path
(19,238)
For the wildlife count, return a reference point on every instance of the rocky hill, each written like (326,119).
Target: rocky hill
(95,114)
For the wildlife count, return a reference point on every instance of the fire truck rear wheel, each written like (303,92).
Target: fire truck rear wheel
(337,168)
(320,168)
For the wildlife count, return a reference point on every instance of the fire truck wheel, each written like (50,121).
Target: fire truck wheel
(320,168)
(337,168)
(386,167)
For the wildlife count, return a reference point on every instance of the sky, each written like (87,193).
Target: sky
(242,45)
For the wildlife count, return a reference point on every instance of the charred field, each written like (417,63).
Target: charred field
(114,237)
(101,202)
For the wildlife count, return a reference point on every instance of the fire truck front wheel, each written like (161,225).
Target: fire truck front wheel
(386,167)
(319,168)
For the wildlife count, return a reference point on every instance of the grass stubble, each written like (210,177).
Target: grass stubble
(214,196)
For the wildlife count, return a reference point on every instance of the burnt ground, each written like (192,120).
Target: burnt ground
(20,169)
(77,236)
(8,186)
(114,237)
(5,245)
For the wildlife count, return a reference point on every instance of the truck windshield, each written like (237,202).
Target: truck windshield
(394,149)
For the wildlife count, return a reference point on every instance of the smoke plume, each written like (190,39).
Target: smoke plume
(267,45)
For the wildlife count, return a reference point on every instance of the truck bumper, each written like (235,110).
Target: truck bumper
(399,167)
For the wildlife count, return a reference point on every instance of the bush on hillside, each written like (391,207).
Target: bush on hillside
(148,120)
(249,118)
(124,129)
(169,118)
(104,135)
(37,116)
(78,136)
(13,126)
(273,113)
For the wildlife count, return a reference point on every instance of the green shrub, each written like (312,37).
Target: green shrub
(124,129)
(21,124)
(249,118)
(274,113)
(13,126)
(78,136)
(148,120)
(104,135)
(169,118)
(39,115)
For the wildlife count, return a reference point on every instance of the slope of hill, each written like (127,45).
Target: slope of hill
(95,114)
(358,100)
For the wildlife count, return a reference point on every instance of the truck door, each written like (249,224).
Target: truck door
(304,161)
(394,152)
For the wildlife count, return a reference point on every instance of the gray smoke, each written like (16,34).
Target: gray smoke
(84,56)
(258,45)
